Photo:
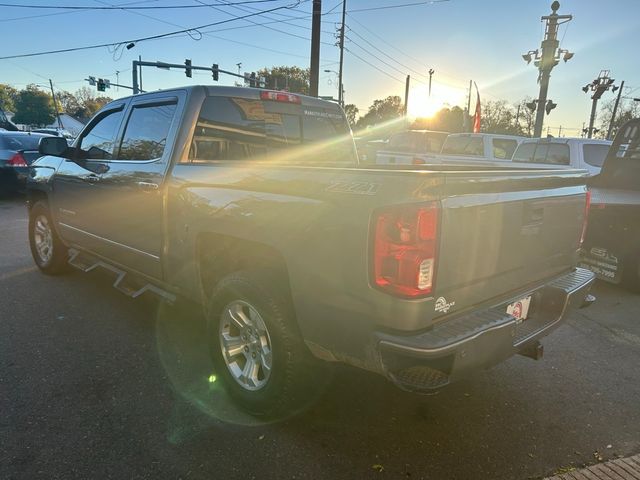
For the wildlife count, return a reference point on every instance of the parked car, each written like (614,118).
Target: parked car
(411,147)
(612,244)
(17,151)
(585,153)
(251,203)
(464,149)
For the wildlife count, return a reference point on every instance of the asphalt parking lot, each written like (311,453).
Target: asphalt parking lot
(96,385)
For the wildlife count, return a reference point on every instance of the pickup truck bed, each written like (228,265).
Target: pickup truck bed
(422,275)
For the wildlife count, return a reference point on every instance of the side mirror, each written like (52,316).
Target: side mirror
(56,146)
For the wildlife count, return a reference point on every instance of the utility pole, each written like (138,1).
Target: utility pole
(546,58)
(406,95)
(615,110)
(55,104)
(431,72)
(340,86)
(598,86)
(315,48)
(517,117)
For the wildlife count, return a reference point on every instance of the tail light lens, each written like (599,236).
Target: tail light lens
(404,249)
(17,161)
(284,97)
(585,220)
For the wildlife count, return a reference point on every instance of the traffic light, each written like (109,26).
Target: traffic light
(214,71)
(550,106)
(187,67)
(92,81)
(532,105)
(102,86)
(252,79)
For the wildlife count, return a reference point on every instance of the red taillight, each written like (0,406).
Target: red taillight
(418,161)
(585,220)
(280,97)
(404,249)
(17,161)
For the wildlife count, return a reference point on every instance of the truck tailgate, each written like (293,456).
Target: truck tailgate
(503,241)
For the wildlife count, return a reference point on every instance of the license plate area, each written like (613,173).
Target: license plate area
(520,309)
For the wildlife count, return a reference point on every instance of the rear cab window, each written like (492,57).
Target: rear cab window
(233,128)
(463,145)
(595,153)
(524,152)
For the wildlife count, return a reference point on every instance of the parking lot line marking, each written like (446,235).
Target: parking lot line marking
(15,273)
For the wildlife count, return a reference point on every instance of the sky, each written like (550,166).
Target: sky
(461,40)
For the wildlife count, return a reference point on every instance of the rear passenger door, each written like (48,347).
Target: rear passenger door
(132,185)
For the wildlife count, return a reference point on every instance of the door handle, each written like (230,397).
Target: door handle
(91,178)
(147,186)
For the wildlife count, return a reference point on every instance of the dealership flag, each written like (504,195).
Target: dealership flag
(476,117)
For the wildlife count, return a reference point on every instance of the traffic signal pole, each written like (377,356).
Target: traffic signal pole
(340,86)
(314,71)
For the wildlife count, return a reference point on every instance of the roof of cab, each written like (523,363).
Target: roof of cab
(224,91)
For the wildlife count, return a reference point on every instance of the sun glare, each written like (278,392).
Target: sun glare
(423,106)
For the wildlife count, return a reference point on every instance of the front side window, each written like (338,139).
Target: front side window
(503,148)
(99,142)
(145,136)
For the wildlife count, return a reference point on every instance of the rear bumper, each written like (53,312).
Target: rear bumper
(464,344)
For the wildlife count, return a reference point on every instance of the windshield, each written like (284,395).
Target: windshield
(252,129)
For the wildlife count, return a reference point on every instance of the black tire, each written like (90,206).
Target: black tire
(55,262)
(294,374)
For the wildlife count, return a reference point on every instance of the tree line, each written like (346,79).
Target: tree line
(33,106)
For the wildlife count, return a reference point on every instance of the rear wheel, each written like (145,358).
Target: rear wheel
(256,347)
(48,251)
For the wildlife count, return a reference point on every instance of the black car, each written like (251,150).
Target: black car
(612,242)
(17,151)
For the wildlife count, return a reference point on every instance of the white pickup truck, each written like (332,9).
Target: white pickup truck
(584,153)
(460,148)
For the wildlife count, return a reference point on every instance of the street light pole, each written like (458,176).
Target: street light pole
(314,76)
(547,58)
(598,87)
(431,72)
(340,87)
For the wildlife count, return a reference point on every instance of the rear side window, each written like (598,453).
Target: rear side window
(145,136)
(503,148)
(540,156)
(231,128)
(461,145)
(99,141)
(524,153)
(558,154)
(594,153)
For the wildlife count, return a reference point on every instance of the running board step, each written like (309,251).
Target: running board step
(131,287)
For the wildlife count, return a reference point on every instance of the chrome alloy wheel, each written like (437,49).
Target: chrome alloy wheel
(245,344)
(43,239)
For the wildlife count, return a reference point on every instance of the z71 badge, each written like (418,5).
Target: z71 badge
(442,306)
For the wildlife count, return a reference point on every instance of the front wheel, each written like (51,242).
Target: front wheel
(256,347)
(48,251)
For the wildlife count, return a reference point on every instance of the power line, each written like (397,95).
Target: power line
(152,37)
(29,17)
(373,66)
(116,7)
(386,7)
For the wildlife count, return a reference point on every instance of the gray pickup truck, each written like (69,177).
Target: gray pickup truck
(252,203)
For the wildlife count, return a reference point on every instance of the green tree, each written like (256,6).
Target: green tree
(8,95)
(445,120)
(291,79)
(499,117)
(627,110)
(351,112)
(381,111)
(34,107)
(83,104)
